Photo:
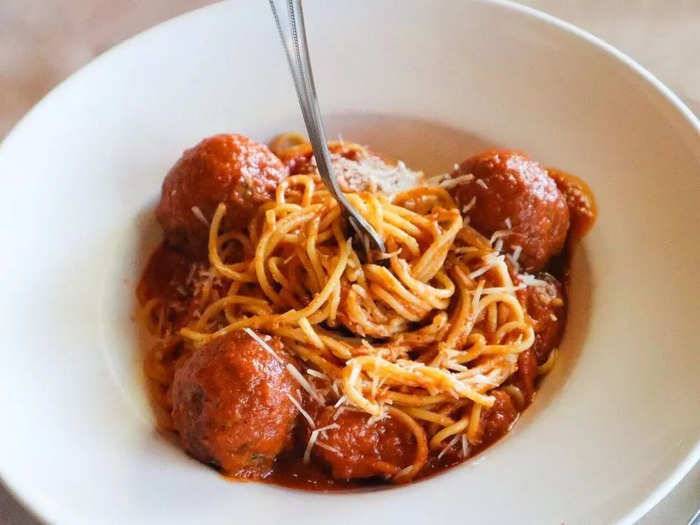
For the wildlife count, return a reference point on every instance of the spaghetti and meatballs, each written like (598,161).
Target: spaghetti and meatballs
(281,354)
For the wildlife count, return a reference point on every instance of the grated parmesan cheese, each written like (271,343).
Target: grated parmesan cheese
(374,419)
(304,383)
(317,374)
(340,401)
(373,173)
(482,184)
(481,271)
(448,446)
(531,280)
(301,410)
(263,344)
(491,261)
(451,182)
(498,234)
(469,206)
(314,437)
(328,447)
(198,213)
(512,423)
(517,250)
(477,297)
(335,387)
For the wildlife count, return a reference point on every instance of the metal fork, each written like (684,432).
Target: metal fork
(290,22)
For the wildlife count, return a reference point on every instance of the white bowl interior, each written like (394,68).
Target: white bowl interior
(613,426)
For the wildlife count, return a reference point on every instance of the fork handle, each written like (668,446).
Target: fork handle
(289,18)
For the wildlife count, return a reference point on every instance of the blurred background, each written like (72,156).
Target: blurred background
(44,41)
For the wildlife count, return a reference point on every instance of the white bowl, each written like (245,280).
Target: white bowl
(613,428)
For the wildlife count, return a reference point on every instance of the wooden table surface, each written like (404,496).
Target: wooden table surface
(43,41)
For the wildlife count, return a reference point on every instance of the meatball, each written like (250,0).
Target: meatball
(497,419)
(231,404)
(357,449)
(513,192)
(232,169)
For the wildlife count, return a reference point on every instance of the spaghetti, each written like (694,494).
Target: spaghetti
(422,334)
